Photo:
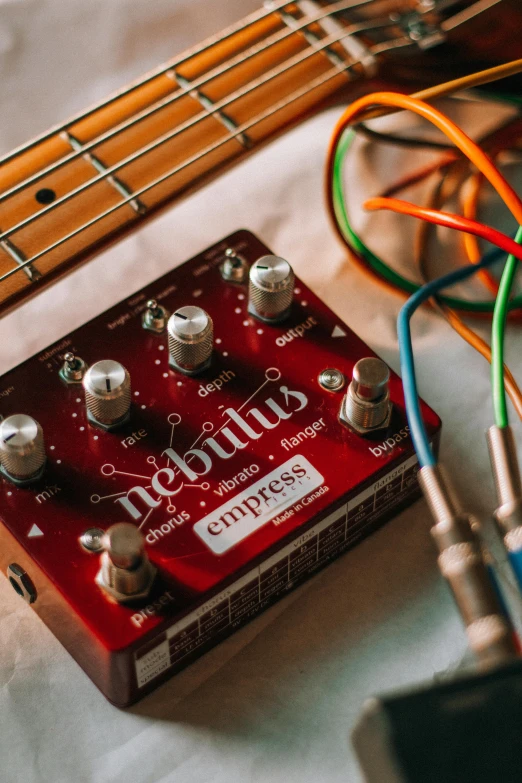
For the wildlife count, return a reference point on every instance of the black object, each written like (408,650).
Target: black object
(468,730)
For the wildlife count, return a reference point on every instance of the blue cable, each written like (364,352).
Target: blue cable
(418,432)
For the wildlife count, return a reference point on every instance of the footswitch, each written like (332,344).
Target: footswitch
(227,436)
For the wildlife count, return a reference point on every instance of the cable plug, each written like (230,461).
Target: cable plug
(489,631)
(508,484)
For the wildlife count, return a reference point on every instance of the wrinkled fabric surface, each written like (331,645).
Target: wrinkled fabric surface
(276,701)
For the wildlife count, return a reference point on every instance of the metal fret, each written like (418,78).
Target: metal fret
(242,25)
(279,106)
(265,79)
(364,62)
(24,265)
(209,105)
(123,189)
(354,47)
(327,11)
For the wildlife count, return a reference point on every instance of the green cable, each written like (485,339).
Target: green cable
(498,330)
(376,263)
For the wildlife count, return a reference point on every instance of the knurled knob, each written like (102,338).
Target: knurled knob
(22,449)
(126,572)
(271,288)
(367,405)
(191,339)
(107,393)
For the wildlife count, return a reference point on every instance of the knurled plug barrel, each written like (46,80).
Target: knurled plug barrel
(508,485)
(489,631)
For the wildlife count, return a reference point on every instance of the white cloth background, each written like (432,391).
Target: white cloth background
(277,700)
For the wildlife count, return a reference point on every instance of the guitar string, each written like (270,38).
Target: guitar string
(239,27)
(398,43)
(257,49)
(293,62)
(331,74)
(327,12)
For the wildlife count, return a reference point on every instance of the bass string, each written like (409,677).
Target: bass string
(206,79)
(218,106)
(315,84)
(406,41)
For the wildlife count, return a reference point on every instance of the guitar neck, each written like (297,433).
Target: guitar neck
(70,192)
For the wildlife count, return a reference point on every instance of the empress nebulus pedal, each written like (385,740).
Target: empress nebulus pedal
(180,462)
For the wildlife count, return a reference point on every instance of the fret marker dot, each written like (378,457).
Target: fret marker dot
(241,296)
(237,310)
(143,407)
(260,331)
(95,437)
(45,196)
(203,504)
(136,394)
(9,494)
(218,340)
(74,415)
(157,361)
(58,461)
(246,323)
(271,456)
(225,353)
(52,448)
(161,347)
(78,399)
(82,429)
(165,375)
(304,303)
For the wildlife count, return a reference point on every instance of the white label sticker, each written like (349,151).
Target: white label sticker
(243,514)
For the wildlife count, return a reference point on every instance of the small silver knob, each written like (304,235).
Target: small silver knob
(22,449)
(234,268)
(191,339)
(155,317)
(73,369)
(107,393)
(271,288)
(366,405)
(126,572)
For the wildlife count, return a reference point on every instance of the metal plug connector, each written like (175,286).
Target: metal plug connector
(126,572)
(489,631)
(506,472)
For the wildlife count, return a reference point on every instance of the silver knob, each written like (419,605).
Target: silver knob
(22,450)
(155,317)
(271,288)
(107,393)
(234,268)
(126,572)
(191,339)
(366,405)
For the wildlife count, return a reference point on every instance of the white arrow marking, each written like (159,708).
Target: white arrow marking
(34,532)
(338,332)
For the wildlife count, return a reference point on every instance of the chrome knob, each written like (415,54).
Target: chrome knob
(107,393)
(22,449)
(126,572)
(271,288)
(366,405)
(191,339)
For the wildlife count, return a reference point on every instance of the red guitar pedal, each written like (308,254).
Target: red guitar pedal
(224,416)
